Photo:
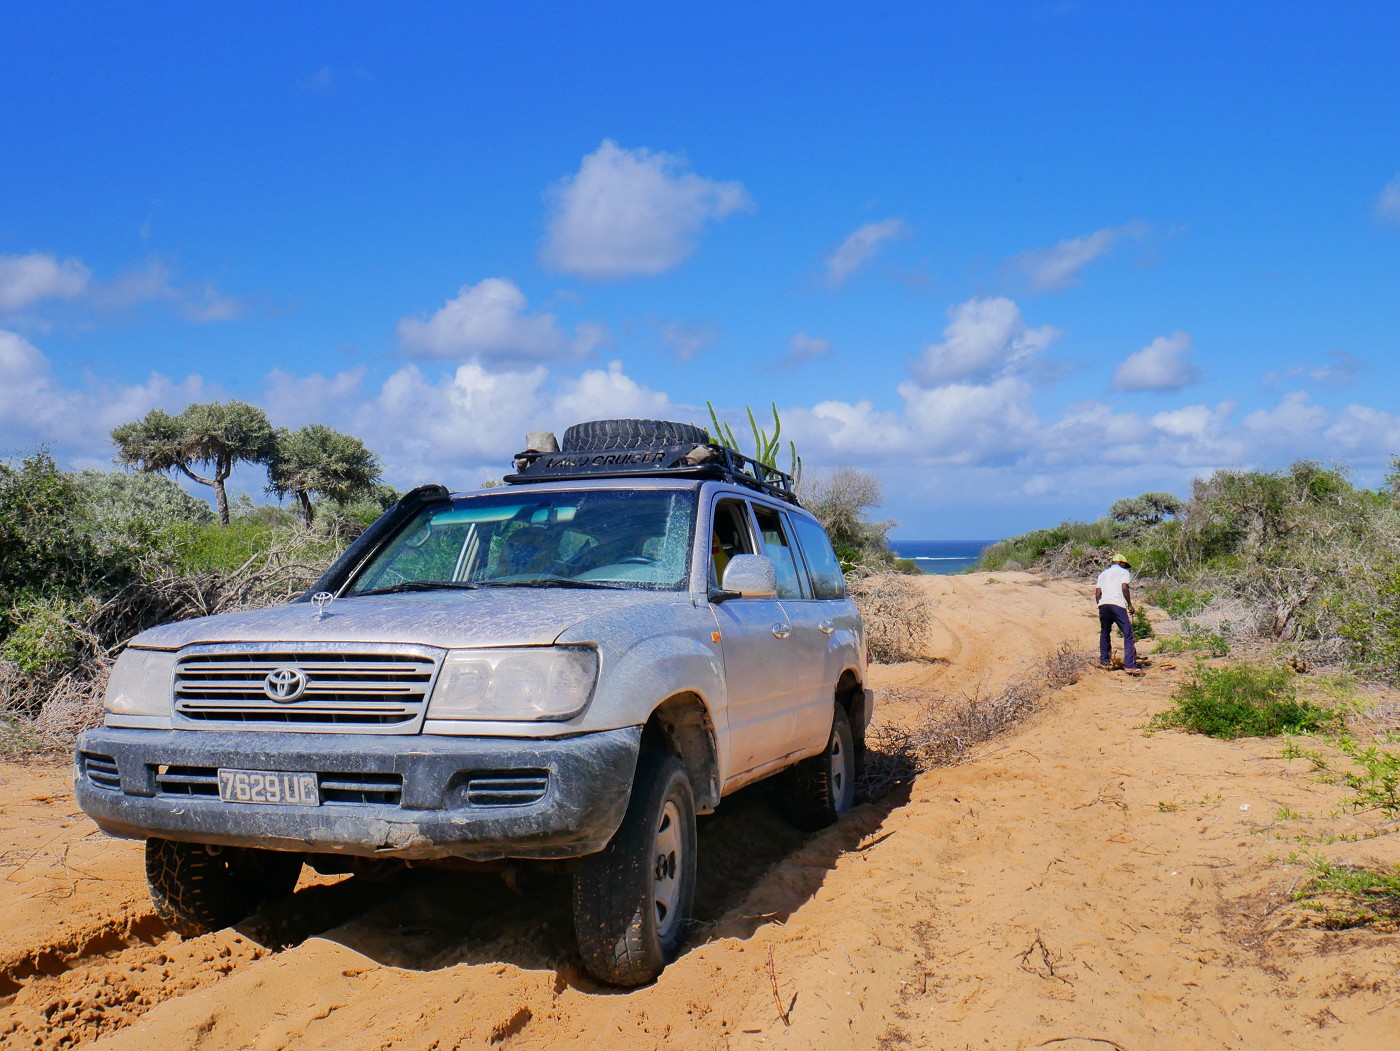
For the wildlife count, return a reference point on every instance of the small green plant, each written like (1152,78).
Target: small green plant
(1242,700)
(1348,896)
(1194,640)
(1180,601)
(1374,776)
(1142,627)
(1287,813)
(1208,800)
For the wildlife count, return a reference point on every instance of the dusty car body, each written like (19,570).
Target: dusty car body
(568,667)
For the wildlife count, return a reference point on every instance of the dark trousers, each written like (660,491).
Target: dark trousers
(1108,616)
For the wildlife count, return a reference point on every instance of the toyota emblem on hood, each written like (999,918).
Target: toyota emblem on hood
(285,684)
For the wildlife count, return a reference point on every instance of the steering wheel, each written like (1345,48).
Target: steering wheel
(634,560)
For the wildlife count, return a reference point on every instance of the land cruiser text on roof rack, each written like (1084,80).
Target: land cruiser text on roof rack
(630,448)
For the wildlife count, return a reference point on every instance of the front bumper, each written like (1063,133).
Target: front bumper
(417,797)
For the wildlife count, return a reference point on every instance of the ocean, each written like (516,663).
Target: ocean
(941,556)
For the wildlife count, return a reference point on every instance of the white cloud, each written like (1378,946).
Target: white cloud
(1160,366)
(629,212)
(802,350)
(1388,203)
(1341,371)
(37,409)
(860,247)
(984,337)
(1374,434)
(838,432)
(687,340)
(488,320)
(1292,421)
(609,393)
(28,279)
(972,422)
(1062,266)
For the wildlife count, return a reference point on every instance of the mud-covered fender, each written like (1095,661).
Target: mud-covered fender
(647,656)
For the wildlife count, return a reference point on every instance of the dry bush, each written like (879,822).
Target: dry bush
(944,732)
(896,610)
(45,712)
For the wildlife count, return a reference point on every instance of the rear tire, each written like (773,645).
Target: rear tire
(197,889)
(632,899)
(817,791)
(629,434)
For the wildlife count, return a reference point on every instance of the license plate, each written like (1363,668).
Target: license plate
(273,787)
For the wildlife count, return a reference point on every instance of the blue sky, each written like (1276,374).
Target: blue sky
(1021,259)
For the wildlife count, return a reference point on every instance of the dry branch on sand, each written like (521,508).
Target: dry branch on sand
(946,730)
(896,609)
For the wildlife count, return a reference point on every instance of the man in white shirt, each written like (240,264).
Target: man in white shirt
(1113,593)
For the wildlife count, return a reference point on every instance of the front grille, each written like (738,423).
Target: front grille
(187,781)
(101,771)
(506,788)
(377,789)
(381,689)
(362,788)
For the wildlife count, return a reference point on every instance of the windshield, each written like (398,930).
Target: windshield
(619,538)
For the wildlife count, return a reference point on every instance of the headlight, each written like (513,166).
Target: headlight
(140,683)
(533,683)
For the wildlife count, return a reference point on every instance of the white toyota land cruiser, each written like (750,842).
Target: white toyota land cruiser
(568,667)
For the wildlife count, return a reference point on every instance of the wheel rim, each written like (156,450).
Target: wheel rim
(842,784)
(667,867)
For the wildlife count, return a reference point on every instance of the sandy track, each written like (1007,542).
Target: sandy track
(1078,885)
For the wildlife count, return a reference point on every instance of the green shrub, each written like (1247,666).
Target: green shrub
(1348,896)
(43,632)
(221,549)
(1194,640)
(1242,700)
(1180,601)
(1372,627)
(1142,627)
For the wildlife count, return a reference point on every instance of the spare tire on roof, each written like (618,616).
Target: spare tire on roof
(629,434)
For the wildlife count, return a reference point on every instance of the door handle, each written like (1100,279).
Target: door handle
(781,631)
(827,627)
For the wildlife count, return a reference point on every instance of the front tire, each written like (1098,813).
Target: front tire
(197,889)
(632,899)
(817,791)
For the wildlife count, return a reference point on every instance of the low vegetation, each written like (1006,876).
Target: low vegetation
(1299,560)
(946,730)
(94,557)
(1242,700)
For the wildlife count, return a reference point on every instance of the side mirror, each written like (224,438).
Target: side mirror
(750,576)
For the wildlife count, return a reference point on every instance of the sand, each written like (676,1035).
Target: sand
(1078,884)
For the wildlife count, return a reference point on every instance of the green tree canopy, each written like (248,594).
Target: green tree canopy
(214,436)
(1147,509)
(321,461)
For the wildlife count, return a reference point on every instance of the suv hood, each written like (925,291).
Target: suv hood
(488,617)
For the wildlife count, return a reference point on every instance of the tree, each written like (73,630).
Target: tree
(321,461)
(215,434)
(1147,509)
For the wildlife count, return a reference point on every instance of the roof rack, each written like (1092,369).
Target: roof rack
(689,460)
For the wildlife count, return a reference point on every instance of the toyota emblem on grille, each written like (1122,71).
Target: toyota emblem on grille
(284,684)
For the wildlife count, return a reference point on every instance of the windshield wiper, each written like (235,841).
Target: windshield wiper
(551,582)
(418,585)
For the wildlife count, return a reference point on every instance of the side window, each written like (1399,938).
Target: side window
(827,579)
(728,537)
(792,581)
